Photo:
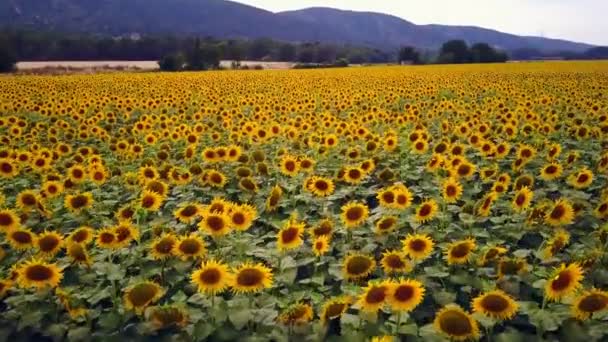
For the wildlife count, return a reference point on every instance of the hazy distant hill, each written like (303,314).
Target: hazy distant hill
(223,19)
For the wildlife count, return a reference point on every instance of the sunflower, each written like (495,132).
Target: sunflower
(374,296)
(384,338)
(299,313)
(106,238)
(524,181)
(334,308)
(38,274)
(385,225)
(248,184)
(290,236)
(354,214)
(522,199)
(189,247)
(484,205)
(150,200)
(395,262)
(510,267)
(325,227)
(272,202)
(75,203)
(187,212)
(49,243)
(353,175)
(8,168)
(8,220)
(78,253)
(426,211)
(138,296)
(320,245)
(405,295)
(52,189)
(27,200)
(250,278)
(556,243)
(212,277)
(460,252)
(216,224)
(386,197)
(289,165)
(125,233)
(77,174)
(215,179)
(98,174)
(418,246)
(581,179)
(162,247)
(321,186)
(495,304)
(403,197)
(551,171)
(564,281)
(491,254)
(464,170)
(167,316)
(242,216)
(601,211)
(452,190)
(560,214)
(455,323)
(21,238)
(358,266)
(588,303)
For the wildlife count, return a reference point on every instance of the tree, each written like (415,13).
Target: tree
(8,60)
(260,48)
(454,51)
(171,62)
(287,52)
(203,56)
(408,54)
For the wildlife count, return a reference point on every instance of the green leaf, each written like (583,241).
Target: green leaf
(110,321)
(444,297)
(202,330)
(57,331)
(240,318)
(79,334)
(408,329)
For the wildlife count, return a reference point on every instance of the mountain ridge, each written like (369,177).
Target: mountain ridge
(229,19)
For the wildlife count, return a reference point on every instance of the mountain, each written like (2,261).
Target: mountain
(227,19)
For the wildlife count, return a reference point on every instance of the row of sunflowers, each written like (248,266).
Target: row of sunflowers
(383,203)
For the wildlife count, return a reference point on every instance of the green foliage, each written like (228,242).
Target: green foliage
(408,54)
(171,62)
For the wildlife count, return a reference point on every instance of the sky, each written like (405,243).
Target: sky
(577,20)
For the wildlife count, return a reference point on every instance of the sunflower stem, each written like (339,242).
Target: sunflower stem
(398,324)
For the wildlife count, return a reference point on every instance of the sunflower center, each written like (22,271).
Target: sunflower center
(464,169)
(210,276)
(551,169)
(358,265)
(148,202)
(455,323)
(354,174)
(582,178)
(77,252)
(29,200)
(238,218)
(22,237)
(319,245)
(216,223)
(290,165)
(216,178)
(38,273)
(417,245)
(106,237)
(388,196)
(394,261)
(494,303)
(376,295)
(425,210)
(249,277)
(79,201)
(451,190)
(354,213)
(48,243)
(6,219)
(248,184)
(164,246)
(558,212)
(334,310)
(593,302)
(321,185)
(141,294)
(77,173)
(289,234)
(461,250)
(562,281)
(520,199)
(122,233)
(387,223)
(7,168)
(189,211)
(323,229)
(402,199)
(403,293)
(189,246)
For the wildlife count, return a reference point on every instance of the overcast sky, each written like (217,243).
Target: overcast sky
(577,20)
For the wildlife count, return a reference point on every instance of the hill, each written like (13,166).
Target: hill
(227,19)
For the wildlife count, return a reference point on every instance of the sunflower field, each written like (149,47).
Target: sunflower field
(367,203)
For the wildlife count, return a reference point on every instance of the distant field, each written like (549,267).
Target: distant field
(145,65)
